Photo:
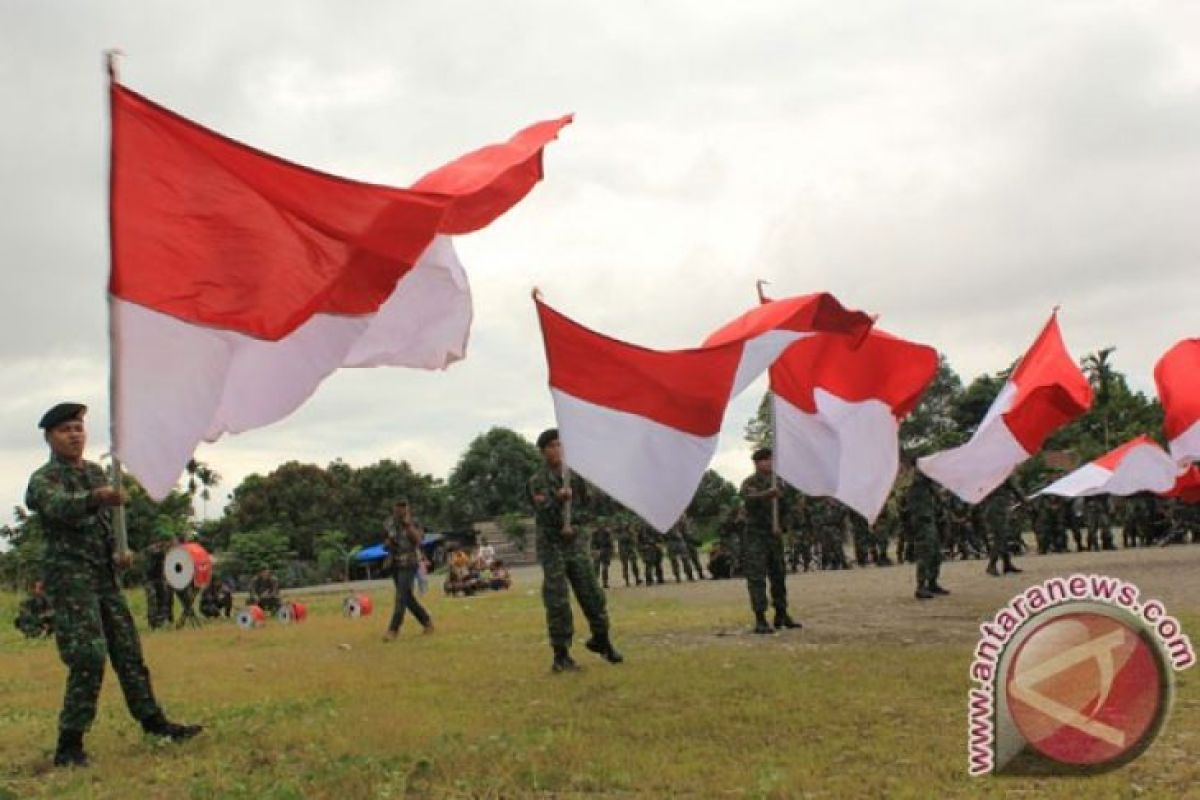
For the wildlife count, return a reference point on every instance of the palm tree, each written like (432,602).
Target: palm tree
(1100,375)
(202,477)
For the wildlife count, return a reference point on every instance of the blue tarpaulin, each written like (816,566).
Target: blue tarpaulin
(376,552)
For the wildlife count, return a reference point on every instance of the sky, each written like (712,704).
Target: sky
(957,168)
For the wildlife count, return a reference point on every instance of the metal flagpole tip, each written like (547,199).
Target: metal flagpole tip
(111,57)
(536,294)
(762,298)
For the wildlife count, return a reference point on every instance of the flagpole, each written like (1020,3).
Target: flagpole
(118,512)
(775,527)
(564,470)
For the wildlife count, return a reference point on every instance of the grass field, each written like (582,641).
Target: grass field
(867,701)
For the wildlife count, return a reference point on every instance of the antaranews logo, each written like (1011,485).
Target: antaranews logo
(1075,674)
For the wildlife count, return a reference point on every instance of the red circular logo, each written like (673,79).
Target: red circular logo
(1085,688)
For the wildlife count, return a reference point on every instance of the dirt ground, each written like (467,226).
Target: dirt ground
(875,605)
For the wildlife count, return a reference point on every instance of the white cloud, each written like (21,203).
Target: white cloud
(957,168)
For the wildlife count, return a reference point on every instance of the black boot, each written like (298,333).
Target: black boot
(602,646)
(158,725)
(1008,567)
(935,588)
(69,752)
(760,624)
(991,569)
(563,661)
(923,594)
(782,620)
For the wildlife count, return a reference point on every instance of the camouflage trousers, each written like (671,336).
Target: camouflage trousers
(629,562)
(677,552)
(762,560)
(601,559)
(652,558)
(565,568)
(927,552)
(160,604)
(92,624)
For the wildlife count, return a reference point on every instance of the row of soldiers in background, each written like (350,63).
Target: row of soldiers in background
(632,541)
(1057,523)
(819,530)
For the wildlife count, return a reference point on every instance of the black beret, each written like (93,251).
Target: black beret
(761,454)
(547,438)
(60,414)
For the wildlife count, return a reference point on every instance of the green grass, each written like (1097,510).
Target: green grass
(326,710)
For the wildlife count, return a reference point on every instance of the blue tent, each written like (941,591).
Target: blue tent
(376,552)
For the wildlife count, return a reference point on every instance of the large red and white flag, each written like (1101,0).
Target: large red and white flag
(1187,485)
(240,281)
(1177,375)
(643,424)
(837,411)
(1046,391)
(1139,465)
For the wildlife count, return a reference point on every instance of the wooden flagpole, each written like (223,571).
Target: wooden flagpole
(118,512)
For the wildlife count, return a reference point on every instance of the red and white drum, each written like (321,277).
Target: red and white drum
(357,605)
(251,617)
(292,612)
(187,565)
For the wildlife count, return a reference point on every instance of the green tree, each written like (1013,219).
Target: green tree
(489,479)
(203,479)
(713,497)
(932,425)
(266,548)
(757,432)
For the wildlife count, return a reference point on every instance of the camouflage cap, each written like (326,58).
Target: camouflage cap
(61,413)
(547,438)
(761,454)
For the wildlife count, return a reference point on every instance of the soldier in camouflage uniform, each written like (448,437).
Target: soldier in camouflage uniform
(602,550)
(730,534)
(865,549)
(160,600)
(1099,523)
(565,557)
(1047,514)
(762,553)
(920,509)
(627,547)
(829,526)
(650,546)
(72,498)
(677,551)
(997,517)
(691,543)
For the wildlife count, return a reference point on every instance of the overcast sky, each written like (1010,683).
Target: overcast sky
(957,168)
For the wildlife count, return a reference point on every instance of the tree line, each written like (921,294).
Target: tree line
(313,517)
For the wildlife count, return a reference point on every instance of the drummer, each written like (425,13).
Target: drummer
(73,500)
(216,599)
(264,591)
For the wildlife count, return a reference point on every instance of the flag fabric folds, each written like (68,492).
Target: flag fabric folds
(837,410)
(1139,465)
(643,424)
(1177,375)
(1046,391)
(240,281)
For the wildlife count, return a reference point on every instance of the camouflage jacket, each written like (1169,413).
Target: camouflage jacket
(542,491)
(401,549)
(920,503)
(78,530)
(759,513)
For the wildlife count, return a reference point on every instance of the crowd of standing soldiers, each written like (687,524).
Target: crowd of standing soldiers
(821,533)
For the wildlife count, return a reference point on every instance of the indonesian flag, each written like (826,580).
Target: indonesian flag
(240,281)
(1046,391)
(1139,465)
(1178,377)
(837,412)
(1187,485)
(643,424)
